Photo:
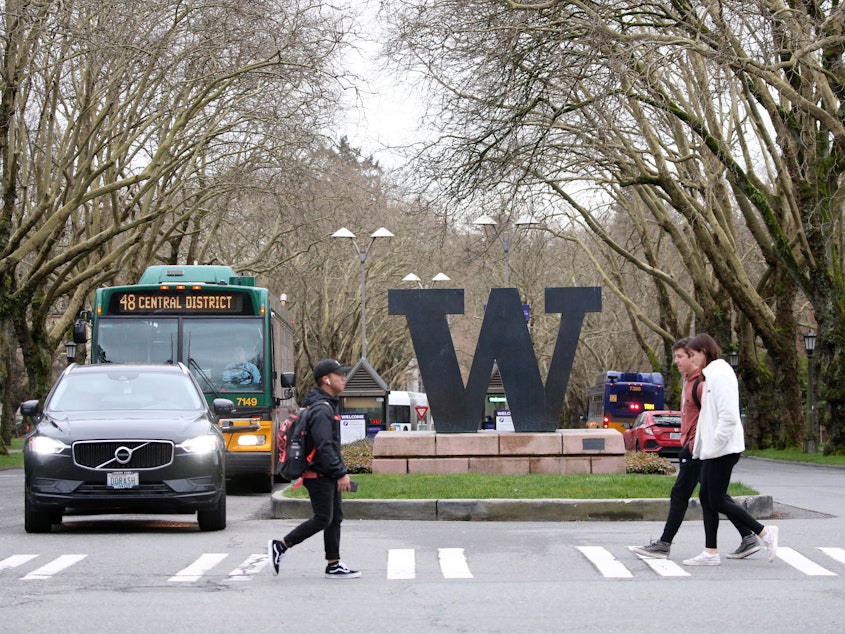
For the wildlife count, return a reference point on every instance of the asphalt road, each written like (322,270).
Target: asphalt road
(147,574)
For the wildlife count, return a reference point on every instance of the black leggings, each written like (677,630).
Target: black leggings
(689,472)
(715,478)
(326,503)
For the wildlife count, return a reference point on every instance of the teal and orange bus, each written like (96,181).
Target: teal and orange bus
(236,339)
(617,398)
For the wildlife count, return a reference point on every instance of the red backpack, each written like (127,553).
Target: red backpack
(290,444)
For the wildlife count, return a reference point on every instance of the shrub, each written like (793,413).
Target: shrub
(358,456)
(649,463)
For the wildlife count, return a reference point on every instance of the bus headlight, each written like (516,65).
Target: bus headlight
(200,445)
(251,440)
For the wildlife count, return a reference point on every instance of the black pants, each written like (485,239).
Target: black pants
(689,471)
(326,504)
(715,478)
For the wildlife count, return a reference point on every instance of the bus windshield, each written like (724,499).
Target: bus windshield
(225,355)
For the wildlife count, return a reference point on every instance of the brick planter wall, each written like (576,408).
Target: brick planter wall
(500,453)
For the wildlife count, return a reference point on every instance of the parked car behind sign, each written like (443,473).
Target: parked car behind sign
(655,432)
(125,438)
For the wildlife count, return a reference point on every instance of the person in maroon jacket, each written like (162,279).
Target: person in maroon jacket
(326,477)
(689,469)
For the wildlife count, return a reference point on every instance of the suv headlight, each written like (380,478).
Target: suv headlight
(200,445)
(44,445)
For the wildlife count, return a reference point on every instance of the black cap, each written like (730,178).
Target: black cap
(328,366)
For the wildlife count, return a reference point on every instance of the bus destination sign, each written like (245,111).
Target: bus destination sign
(157,302)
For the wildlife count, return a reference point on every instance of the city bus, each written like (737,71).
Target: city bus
(236,339)
(617,398)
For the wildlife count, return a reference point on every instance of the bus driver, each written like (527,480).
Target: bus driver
(241,371)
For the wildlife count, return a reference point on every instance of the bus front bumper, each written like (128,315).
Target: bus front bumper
(246,462)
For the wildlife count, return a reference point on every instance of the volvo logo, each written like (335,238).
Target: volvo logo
(123,454)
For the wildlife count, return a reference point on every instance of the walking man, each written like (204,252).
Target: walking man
(689,469)
(326,477)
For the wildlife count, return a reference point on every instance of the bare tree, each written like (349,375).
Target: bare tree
(122,126)
(705,118)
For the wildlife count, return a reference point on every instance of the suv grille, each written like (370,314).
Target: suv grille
(123,454)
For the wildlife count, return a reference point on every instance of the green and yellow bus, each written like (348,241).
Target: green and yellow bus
(236,339)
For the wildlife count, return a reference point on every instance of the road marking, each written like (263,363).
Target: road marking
(453,563)
(835,553)
(54,567)
(663,567)
(606,563)
(251,566)
(801,563)
(202,565)
(15,560)
(401,563)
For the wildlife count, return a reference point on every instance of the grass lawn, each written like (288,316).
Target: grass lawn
(795,455)
(480,486)
(14,459)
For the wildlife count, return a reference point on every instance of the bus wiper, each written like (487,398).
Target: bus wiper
(208,382)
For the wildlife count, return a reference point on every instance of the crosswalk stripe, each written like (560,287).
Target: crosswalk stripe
(55,566)
(663,567)
(800,562)
(15,560)
(401,563)
(606,563)
(453,563)
(202,565)
(251,566)
(834,553)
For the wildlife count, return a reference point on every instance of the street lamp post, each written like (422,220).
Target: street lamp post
(413,277)
(381,232)
(809,436)
(504,237)
(70,351)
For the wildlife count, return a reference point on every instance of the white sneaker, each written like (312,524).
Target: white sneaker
(770,541)
(704,559)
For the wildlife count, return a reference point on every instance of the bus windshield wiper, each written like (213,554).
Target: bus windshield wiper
(208,382)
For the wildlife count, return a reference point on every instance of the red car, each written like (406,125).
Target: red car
(655,432)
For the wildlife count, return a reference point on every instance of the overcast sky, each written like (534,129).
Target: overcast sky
(385,112)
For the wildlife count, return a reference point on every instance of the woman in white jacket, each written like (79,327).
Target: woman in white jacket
(719,443)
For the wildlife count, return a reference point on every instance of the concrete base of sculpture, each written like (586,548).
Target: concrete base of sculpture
(565,451)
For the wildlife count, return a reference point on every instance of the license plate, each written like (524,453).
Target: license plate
(675,435)
(122,479)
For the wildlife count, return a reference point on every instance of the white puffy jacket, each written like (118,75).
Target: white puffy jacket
(720,429)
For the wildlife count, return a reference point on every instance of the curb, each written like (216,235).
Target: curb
(508,510)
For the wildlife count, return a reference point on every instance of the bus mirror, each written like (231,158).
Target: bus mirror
(80,331)
(288,379)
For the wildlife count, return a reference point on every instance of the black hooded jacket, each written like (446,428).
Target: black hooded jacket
(324,427)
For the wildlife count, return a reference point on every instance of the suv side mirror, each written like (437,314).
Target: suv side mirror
(29,408)
(223,406)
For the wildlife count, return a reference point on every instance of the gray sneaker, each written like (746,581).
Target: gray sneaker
(750,545)
(655,550)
